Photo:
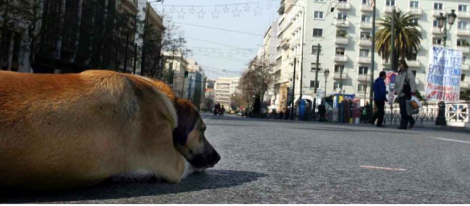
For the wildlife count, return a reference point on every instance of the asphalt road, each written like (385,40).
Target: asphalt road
(268,161)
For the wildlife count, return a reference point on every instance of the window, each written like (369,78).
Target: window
(464,59)
(314,66)
(436,40)
(313,85)
(435,24)
(414,4)
(335,85)
(342,16)
(317,32)
(463,78)
(363,70)
(463,8)
(343,1)
(414,72)
(365,18)
(414,22)
(390,3)
(361,88)
(314,50)
(364,53)
(340,51)
(365,2)
(318,15)
(365,35)
(462,42)
(339,68)
(413,56)
(437,6)
(462,25)
(341,33)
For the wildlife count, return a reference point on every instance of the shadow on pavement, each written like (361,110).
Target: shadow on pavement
(137,185)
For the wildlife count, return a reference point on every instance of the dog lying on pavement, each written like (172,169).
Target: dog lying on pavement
(76,130)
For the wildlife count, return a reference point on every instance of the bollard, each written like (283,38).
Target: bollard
(441,116)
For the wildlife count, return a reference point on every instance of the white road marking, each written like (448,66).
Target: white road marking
(382,168)
(450,140)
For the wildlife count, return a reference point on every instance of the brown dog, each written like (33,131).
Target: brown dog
(75,130)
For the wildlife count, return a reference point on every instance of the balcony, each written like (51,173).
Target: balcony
(365,42)
(465,67)
(437,30)
(437,13)
(296,42)
(285,44)
(386,63)
(389,9)
(363,78)
(365,60)
(344,6)
(342,40)
(464,85)
(366,25)
(463,32)
(464,49)
(341,58)
(413,63)
(366,8)
(416,11)
(339,76)
(463,15)
(342,23)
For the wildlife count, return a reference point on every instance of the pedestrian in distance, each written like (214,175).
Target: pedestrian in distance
(380,97)
(322,111)
(405,89)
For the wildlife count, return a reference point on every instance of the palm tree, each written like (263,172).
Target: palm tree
(407,37)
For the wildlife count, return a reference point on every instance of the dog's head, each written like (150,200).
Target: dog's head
(189,137)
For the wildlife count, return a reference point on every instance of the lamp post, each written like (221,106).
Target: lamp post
(442,22)
(326,74)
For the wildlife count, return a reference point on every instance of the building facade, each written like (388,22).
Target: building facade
(224,89)
(344,36)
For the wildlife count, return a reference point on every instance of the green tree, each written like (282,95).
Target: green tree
(407,37)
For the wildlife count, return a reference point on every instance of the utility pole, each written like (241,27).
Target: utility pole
(316,80)
(125,52)
(144,46)
(302,54)
(392,42)
(293,92)
(371,98)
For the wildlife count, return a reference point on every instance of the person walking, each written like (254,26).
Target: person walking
(380,97)
(405,88)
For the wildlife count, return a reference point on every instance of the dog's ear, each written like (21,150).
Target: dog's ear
(187,120)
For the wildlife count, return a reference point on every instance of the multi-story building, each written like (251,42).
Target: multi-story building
(224,89)
(267,54)
(175,66)
(344,35)
(195,83)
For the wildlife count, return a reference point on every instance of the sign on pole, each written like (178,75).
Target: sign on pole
(444,74)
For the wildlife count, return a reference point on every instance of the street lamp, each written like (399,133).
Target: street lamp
(443,20)
(326,73)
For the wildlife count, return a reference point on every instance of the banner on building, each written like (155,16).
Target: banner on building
(444,73)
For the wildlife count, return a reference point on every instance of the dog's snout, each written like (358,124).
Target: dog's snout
(214,158)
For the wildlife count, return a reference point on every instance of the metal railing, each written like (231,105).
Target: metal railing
(457,114)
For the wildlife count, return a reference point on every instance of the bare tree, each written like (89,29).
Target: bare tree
(256,81)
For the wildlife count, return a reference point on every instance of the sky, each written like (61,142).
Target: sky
(224,35)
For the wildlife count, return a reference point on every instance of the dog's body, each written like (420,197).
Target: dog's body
(75,130)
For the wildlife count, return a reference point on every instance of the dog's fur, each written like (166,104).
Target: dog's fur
(75,130)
